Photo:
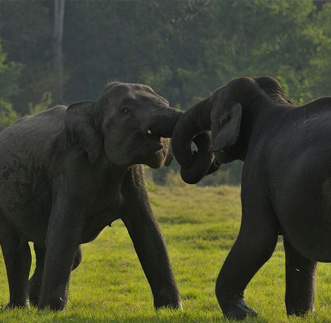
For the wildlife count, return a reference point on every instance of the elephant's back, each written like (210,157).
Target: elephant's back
(27,152)
(32,135)
(43,123)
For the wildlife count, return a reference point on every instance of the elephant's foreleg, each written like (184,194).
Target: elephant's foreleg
(63,238)
(300,281)
(154,260)
(17,256)
(149,244)
(63,241)
(36,279)
(254,246)
(58,263)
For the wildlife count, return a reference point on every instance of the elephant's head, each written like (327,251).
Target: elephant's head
(129,121)
(222,114)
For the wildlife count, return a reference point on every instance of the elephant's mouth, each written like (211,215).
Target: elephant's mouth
(153,139)
(150,146)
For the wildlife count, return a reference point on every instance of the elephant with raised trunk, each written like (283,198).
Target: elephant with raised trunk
(66,174)
(286,183)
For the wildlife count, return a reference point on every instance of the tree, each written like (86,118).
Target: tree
(183,49)
(320,69)
(59,8)
(26,29)
(9,74)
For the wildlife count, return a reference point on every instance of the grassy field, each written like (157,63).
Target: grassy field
(200,226)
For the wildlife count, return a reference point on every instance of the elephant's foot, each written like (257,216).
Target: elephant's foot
(12,305)
(299,311)
(238,311)
(34,297)
(55,304)
(167,298)
(34,288)
(56,300)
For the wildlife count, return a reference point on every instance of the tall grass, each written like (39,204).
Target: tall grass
(200,225)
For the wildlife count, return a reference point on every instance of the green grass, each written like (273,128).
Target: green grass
(199,226)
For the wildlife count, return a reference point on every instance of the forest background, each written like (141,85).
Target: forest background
(60,52)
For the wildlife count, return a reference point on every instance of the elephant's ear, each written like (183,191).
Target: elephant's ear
(81,129)
(230,127)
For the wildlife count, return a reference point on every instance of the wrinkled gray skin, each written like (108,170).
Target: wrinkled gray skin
(67,173)
(286,183)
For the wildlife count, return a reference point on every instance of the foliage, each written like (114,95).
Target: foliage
(46,101)
(184,49)
(9,73)
(7,114)
(320,64)
(265,37)
(25,29)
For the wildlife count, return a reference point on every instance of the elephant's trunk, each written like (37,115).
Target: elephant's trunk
(161,121)
(193,121)
(272,88)
(191,127)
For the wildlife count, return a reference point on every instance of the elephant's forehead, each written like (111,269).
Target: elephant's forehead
(141,98)
(126,89)
(127,93)
(133,99)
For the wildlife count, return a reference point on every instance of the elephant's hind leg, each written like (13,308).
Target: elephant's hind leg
(17,256)
(254,246)
(300,281)
(36,279)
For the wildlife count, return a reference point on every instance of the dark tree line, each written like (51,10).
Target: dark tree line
(57,52)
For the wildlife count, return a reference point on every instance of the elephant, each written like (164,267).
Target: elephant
(285,185)
(67,173)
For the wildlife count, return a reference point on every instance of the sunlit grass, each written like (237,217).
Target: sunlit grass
(200,226)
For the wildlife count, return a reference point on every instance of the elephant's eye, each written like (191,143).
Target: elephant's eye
(125,110)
